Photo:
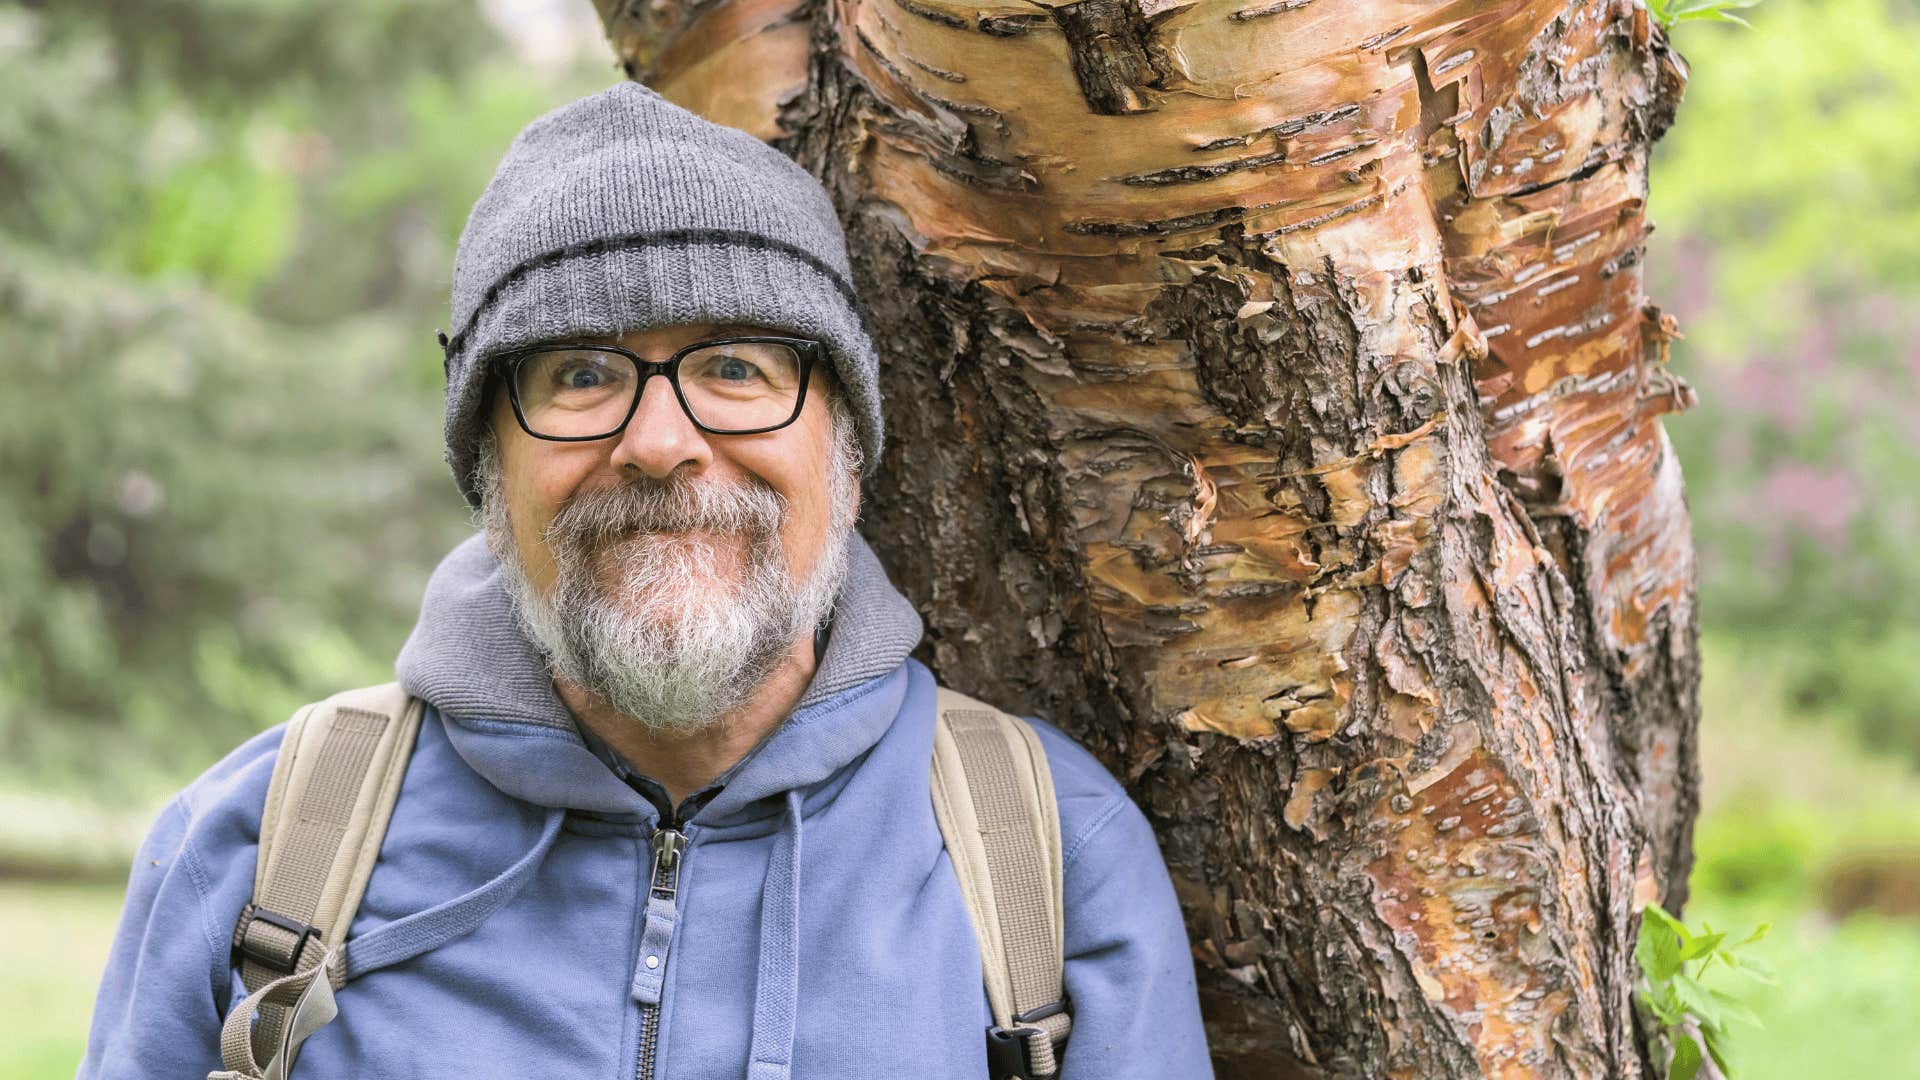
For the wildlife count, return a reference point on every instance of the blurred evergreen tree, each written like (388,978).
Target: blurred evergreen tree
(225,234)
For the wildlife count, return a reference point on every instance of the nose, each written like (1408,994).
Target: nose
(660,438)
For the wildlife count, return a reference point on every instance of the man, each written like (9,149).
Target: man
(660,397)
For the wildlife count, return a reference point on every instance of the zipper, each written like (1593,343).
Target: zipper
(649,1038)
(656,935)
(669,843)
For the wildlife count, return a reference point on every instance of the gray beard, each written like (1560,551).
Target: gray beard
(672,628)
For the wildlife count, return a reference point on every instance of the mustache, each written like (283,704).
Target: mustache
(592,518)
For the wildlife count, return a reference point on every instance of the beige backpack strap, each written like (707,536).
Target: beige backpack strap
(993,796)
(328,803)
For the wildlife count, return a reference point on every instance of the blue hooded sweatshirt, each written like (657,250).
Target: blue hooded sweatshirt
(817,930)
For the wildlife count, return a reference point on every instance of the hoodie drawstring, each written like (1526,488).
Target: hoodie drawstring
(776,993)
(404,939)
(777,987)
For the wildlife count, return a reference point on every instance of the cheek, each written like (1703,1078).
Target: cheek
(528,516)
(819,511)
(545,478)
(804,480)
(531,514)
(537,484)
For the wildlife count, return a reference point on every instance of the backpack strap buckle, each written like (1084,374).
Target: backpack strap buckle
(1007,1055)
(270,940)
(1025,1051)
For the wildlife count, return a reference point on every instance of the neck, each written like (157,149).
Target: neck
(683,764)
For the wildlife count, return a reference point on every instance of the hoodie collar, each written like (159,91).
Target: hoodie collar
(468,658)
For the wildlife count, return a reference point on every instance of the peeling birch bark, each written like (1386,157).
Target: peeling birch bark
(1273,401)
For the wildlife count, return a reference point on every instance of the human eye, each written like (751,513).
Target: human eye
(580,375)
(573,377)
(741,366)
(730,368)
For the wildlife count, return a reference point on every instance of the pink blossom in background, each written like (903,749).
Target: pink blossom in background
(1686,288)
(1814,352)
(1819,500)
(1733,447)
(1885,315)
(1767,386)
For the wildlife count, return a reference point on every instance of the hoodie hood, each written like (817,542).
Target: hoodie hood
(469,659)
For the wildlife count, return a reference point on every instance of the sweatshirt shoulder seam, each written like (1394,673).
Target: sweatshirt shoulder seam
(202,888)
(1113,806)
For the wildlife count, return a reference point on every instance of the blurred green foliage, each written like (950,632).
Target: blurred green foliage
(1671,13)
(224,246)
(226,228)
(1684,975)
(1788,204)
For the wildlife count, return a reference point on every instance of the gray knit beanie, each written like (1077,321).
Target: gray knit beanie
(624,211)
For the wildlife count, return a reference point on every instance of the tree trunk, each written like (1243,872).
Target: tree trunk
(1273,403)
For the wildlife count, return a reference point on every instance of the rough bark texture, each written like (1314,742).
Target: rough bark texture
(1273,402)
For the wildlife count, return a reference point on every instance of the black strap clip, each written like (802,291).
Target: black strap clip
(1008,1056)
(284,962)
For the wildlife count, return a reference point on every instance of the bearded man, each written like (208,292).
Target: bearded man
(669,644)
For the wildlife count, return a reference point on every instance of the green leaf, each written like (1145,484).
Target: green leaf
(1695,999)
(1672,12)
(1660,1002)
(1658,949)
(1761,970)
(1686,1057)
(1733,1010)
(1752,967)
(1660,914)
(1718,1053)
(1701,946)
(1715,15)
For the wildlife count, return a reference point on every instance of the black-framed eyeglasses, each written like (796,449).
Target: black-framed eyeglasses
(727,386)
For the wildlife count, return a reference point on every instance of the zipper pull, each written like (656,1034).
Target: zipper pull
(667,846)
(656,933)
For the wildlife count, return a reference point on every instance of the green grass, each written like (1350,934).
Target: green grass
(1845,1005)
(1786,798)
(53,946)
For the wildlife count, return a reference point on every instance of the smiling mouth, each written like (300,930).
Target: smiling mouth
(697,531)
(716,539)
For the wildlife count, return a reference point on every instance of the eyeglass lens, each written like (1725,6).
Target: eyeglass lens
(728,386)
